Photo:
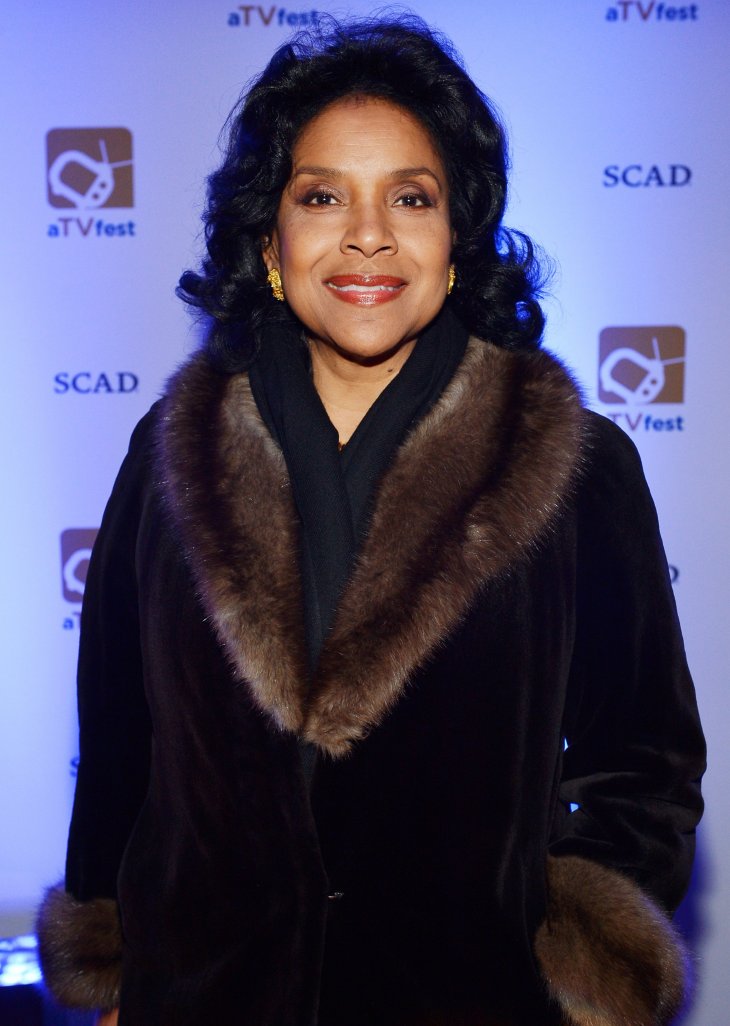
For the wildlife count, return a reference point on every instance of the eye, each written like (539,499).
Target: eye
(414,199)
(319,198)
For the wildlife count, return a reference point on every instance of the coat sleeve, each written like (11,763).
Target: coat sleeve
(78,923)
(621,859)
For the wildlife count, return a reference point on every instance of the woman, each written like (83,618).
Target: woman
(367,568)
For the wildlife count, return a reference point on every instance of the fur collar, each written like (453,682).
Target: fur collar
(471,490)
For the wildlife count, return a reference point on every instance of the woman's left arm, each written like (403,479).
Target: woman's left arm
(621,859)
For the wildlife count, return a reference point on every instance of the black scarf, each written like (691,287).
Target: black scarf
(334,492)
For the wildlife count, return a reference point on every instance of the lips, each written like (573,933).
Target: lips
(365,289)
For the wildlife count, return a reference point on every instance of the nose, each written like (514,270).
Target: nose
(368,231)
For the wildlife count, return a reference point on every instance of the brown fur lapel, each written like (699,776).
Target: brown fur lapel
(610,956)
(229,493)
(469,492)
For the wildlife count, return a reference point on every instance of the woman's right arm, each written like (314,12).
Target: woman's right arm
(78,923)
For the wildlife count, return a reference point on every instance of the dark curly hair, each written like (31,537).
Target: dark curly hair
(396,59)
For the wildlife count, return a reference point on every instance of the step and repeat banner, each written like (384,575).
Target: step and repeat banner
(112,112)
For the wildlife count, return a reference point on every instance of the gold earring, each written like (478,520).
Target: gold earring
(452,280)
(274,279)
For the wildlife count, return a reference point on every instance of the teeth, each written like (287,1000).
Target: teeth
(365,288)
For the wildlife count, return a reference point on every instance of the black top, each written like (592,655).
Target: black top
(333,491)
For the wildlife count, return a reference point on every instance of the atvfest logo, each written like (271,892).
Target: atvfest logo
(89,170)
(76,546)
(651,11)
(641,367)
(249,15)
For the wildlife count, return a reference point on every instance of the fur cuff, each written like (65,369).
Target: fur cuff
(610,956)
(80,949)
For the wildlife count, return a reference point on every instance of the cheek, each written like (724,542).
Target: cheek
(289,246)
(432,247)
(435,261)
(300,254)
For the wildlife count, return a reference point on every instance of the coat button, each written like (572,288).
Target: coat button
(335,895)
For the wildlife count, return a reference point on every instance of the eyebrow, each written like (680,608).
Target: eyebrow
(333,172)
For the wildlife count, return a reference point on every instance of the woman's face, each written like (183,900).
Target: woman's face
(363,236)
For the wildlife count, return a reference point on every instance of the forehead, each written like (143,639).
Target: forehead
(366,130)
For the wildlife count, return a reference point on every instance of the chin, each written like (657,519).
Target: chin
(372,350)
(369,342)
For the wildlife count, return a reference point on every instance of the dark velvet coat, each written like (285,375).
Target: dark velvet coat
(511,596)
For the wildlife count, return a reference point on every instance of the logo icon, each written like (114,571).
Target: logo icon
(642,365)
(89,168)
(76,546)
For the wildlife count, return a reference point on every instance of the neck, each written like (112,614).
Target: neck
(348,388)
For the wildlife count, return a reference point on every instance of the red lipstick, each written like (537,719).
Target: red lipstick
(365,289)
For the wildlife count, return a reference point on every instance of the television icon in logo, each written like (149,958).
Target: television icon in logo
(76,546)
(89,168)
(638,366)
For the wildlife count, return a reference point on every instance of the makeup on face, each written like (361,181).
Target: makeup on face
(363,236)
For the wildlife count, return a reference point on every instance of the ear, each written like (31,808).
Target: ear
(270,250)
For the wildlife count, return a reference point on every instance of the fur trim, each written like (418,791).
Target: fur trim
(610,956)
(471,490)
(80,949)
(229,492)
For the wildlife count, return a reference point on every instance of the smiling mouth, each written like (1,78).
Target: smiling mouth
(365,289)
